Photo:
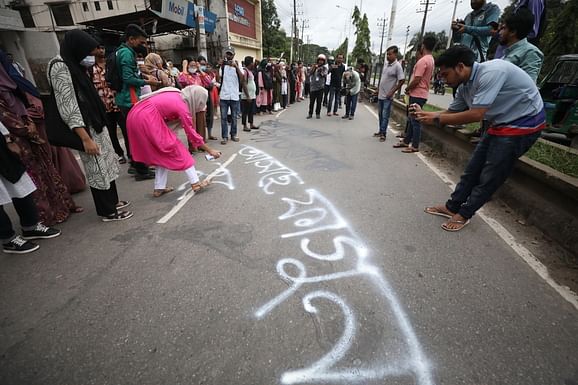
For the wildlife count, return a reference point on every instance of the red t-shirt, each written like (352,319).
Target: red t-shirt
(424,68)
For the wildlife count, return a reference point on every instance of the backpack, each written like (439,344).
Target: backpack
(112,75)
(267,80)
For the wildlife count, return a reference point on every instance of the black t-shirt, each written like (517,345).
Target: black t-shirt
(336,75)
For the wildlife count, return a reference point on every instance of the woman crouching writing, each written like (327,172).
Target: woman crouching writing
(151,125)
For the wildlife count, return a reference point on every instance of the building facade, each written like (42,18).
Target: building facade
(32,29)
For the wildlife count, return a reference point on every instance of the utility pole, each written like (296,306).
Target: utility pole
(380,23)
(391,21)
(292,35)
(294,32)
(307,51)
(405,45)
(303,26)
(453,18)
(426,9)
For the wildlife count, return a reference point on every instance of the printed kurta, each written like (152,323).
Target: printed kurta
(100,169)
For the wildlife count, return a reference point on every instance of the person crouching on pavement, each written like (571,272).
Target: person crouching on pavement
(151,125)
(506,96)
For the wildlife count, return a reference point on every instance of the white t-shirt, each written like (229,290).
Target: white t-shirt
(229,84)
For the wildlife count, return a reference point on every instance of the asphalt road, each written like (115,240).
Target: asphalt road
(309,260)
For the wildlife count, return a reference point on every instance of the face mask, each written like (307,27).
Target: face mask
(88,61)
(140,62)
(192,70)
(203,68)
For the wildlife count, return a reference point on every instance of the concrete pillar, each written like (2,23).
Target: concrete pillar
(201,35)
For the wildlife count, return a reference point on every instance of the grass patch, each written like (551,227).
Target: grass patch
(430,108)
(554,157)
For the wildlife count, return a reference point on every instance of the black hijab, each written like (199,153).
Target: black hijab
(76,46)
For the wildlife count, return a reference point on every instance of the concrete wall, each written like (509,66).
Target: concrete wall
(40,47)
(32,50)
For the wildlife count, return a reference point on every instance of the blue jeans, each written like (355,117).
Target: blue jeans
(334,96)
(413,135)
(384,106)
(350,104)
(234,105)
(490,165)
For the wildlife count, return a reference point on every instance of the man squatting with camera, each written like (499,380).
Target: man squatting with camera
(509,100)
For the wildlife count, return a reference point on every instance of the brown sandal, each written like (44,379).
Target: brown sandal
(200,186)
(409,150)
(400,145)
(160,192)
(461,225)
(436,211)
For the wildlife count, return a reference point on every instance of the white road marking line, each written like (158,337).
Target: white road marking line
(191,193)
(526,255)
(279,114)
(377,117)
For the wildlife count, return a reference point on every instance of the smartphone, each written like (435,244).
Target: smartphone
(209,157)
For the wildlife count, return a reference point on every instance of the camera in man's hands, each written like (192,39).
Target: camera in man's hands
(456,24)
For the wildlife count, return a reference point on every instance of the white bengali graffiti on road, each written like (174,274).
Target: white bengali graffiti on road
(316,215)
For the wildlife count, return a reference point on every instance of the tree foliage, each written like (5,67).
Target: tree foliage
(561,34)
(362,48)
(274,37)
(310,52)
(342,49)
(441,38)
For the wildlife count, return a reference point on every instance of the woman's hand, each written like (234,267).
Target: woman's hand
(90,147)
(214,153)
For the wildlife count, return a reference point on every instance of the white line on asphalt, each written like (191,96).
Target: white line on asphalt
(279,114)
(190,194)
(510,240)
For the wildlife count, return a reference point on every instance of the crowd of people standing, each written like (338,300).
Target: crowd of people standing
(149,98)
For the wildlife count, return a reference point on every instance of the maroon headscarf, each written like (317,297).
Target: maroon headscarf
(10,93)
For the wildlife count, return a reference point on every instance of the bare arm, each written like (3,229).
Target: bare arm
(395,89)
(412,84)
(450,117)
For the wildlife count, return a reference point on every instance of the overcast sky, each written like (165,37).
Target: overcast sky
(329,25)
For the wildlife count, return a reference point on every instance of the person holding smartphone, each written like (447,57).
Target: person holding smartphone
(232,84)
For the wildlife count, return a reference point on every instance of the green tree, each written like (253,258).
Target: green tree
(342,49)
(274,37)
(441,38)
(310,52)
(561,34)
(362,48)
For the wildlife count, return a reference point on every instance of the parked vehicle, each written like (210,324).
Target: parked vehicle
(439,87)
(559,90)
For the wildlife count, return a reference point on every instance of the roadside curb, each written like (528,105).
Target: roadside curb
(544,197)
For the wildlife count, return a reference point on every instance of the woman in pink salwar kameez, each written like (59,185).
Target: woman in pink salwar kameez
(151,126)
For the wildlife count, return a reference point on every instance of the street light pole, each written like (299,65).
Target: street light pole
(453,18)
(348,25)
